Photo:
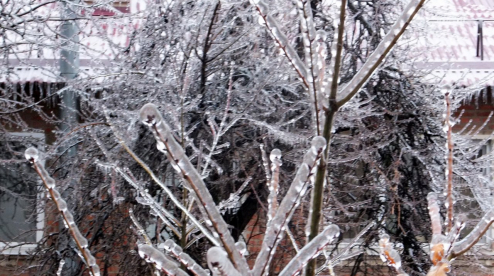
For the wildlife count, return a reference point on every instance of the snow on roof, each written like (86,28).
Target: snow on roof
(446,45)
(462,9)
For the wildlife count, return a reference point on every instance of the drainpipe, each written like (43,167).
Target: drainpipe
(69,69)
(69,61)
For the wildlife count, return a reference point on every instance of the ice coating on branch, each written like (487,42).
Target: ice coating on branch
(479,229)
(275,156)
(370,66)
(219,264)
(49,183)
(445,89)
(60,267)
(150,116)
(310,45)
(274,231)
(161,146)
(265,163)
(439,270)
(280,38)
(154,256)
(79,237)
(32,154)
(434,214)
(162,211)
(439,245)
(91,261)
(62,205)
(318,143)
(55,195)
(311,250)
(241,247)
(95,269)
(388,254)
(69,218)
(144,200)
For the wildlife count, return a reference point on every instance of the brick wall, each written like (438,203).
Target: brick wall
(112,261)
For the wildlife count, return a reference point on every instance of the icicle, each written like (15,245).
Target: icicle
(60,267)
(275,158)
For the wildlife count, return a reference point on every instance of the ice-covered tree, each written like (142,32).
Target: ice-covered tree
(229,77)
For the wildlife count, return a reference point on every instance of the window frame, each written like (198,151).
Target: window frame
(22,248)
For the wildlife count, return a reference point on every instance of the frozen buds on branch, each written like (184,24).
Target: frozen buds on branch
(389,255)
(440,244)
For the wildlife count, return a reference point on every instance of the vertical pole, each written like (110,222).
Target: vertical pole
(69,69)
(69,61)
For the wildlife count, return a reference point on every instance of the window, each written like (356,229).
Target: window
(21,218)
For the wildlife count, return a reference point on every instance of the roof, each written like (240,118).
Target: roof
(446,48)
(48,74)
(456,44)
(462,9)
